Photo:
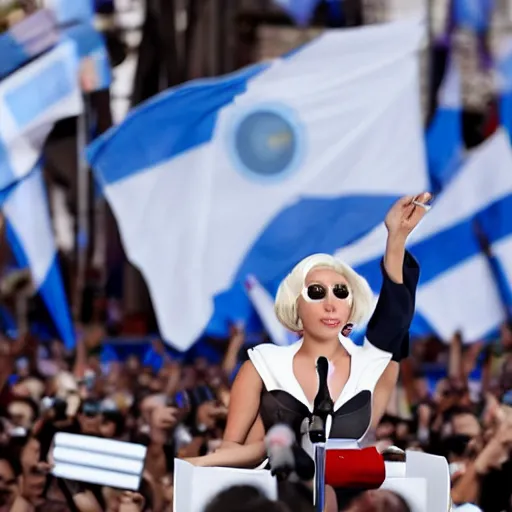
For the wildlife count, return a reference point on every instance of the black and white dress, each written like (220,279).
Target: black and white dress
(387,338)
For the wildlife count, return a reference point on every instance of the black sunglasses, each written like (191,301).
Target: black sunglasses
(318,292)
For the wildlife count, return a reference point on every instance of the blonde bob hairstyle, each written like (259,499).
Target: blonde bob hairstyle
(292,285)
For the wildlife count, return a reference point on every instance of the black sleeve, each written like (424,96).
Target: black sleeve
(388,328)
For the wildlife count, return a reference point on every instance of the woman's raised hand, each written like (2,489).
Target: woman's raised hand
(406,214)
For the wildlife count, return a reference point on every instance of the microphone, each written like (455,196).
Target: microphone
(278,443)
(323,404)
(286,457)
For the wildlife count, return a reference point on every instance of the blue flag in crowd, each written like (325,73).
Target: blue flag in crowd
(301,11)
(474,15)
(29,231)
(250,172)
(458,289)
(504,74)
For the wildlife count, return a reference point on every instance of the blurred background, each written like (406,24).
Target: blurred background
(71,300)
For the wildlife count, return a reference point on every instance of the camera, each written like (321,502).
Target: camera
(58,405)
(91,408)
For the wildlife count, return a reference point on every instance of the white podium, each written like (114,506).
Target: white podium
(423,481)
(195,487)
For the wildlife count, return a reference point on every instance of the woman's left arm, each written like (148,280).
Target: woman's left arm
(395,310)
(388,328)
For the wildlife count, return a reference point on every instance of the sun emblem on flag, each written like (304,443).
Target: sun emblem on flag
(267,141)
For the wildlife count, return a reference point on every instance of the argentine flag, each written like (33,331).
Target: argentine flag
(32,100)
(250,172)
(29,231)
(457,289)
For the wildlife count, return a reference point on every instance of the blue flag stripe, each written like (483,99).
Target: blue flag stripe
(137,143)
(51,290)
(496,220)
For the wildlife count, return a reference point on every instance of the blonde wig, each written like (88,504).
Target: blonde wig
(291,287)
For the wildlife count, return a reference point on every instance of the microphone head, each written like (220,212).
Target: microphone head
(279,436)
(279,443)
(322,367)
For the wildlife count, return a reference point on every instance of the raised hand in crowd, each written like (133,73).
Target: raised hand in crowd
(497,450)
(131,502)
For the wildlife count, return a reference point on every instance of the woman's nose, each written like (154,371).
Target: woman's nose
(328,304)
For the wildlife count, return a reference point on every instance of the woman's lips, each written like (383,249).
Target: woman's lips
(331,322)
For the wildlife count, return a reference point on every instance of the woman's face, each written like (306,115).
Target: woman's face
(324,319)
(30,454)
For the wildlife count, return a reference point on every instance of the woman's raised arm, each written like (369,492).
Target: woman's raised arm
(388,329)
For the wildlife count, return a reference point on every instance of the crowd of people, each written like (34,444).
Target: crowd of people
(179,410)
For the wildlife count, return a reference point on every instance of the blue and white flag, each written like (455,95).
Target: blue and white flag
(29,231)
(250,172)
(495,223)
(445,145)
(32,100)
(457,288)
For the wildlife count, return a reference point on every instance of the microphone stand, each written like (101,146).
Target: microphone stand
(323,406)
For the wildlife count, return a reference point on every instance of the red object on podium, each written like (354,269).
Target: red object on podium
(357,468)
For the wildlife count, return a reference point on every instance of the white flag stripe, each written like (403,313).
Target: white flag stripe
(97,444)
(99,460)
(463,299)
(96,476)
(26,209)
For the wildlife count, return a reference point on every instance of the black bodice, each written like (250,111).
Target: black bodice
(350,421)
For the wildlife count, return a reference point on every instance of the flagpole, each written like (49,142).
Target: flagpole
(83,191)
